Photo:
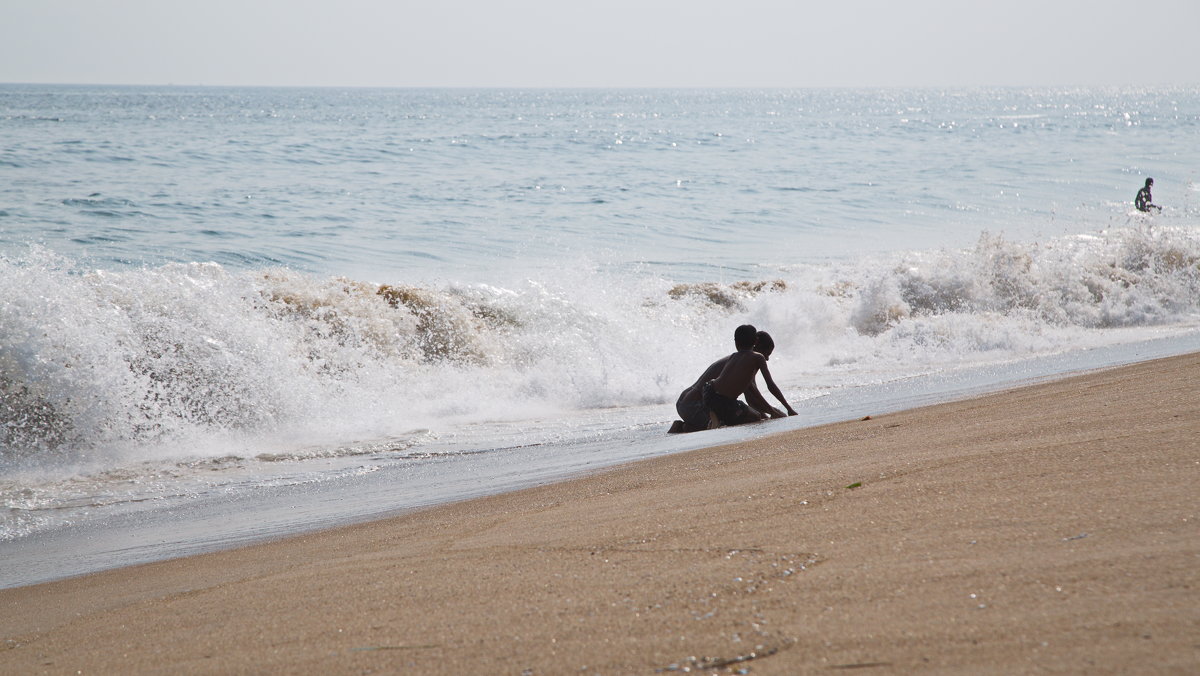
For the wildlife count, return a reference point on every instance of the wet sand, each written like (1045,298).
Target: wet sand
(1048,528)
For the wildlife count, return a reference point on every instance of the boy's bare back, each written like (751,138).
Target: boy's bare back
(738,373)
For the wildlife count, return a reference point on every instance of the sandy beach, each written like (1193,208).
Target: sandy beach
(1052,528)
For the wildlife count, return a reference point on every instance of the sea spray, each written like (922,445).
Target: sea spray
(179,355)
(1130,277)
(96,363)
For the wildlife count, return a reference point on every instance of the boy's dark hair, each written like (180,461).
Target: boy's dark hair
(764,343)
(744,337)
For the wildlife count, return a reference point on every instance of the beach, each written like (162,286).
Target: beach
(1049,528)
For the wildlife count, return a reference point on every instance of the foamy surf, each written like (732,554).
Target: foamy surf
(156,384)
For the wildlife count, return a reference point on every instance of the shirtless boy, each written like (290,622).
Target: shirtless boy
(695,414)
(721,393)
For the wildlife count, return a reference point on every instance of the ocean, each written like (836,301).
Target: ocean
(229,314)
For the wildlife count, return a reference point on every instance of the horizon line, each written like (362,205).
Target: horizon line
(608,87)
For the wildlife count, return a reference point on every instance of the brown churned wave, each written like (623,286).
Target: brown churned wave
(728,296)
(405,322)
(447,327)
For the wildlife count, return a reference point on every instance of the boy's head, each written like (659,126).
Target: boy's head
(744,337)
(764,344)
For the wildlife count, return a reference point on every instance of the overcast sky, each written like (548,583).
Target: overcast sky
(618,43)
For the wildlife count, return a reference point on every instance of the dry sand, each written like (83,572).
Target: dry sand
(1052,528)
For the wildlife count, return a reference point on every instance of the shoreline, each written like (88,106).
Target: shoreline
(113,538)
(1052,526)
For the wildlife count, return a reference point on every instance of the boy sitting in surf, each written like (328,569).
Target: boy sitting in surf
(721,393)
(690,405)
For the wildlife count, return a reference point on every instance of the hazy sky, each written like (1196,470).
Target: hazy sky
(569,43)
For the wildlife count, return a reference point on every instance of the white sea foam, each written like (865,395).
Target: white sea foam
(183,361)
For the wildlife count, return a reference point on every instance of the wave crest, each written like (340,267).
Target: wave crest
(1137,277)
(172,360)
(729,296)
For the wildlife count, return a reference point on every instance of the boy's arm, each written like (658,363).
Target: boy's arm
(759,403)
(775,388)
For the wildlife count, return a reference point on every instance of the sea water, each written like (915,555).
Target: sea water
(232,313)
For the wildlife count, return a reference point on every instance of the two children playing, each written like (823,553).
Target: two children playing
(712,400)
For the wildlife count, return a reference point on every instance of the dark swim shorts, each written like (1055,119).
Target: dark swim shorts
(729,411)
(694,412)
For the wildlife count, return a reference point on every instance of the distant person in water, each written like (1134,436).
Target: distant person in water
(1143,201)
(691,404)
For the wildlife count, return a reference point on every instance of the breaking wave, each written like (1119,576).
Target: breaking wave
(109,367)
